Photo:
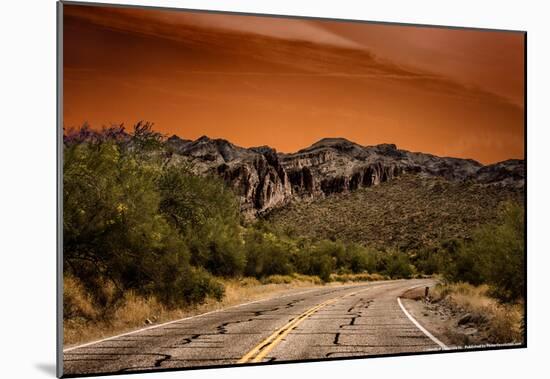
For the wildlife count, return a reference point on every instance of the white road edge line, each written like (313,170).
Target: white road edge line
(420,327)
(179,320)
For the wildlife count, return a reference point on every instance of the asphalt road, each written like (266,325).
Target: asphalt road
(331,322)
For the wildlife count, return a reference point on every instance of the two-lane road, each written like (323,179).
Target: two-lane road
(344,321)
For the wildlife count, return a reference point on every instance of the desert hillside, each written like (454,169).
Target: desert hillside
(408,212)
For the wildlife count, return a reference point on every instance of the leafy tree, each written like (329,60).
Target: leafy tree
(145,139)
(397,265)
(495,256)
(501,252)
(266,254)
(206,214)
(113,230)
(464,265)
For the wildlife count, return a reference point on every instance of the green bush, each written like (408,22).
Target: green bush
(322,266)
(495,256)
(429,261)
(464,265)
(193,287)
(206,214)
(397,265)
(362,259)
(501,249)
(114,231)
(266,254)
(111,225)
(334,255)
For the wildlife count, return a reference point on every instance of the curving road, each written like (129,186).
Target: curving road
(332,322)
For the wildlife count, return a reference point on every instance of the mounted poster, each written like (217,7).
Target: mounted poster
(246,189)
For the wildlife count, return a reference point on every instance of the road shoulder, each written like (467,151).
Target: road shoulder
(454,327)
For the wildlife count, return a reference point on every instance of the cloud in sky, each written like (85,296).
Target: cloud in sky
(242,77)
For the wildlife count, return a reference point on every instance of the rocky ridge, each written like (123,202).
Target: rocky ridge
(265,179)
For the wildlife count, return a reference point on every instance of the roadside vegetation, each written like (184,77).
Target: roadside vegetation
(407,212)
(145,242)
(497,322)
(485,276)
(494,256)
(83,324)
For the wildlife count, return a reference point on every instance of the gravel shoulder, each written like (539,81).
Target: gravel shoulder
(454,326)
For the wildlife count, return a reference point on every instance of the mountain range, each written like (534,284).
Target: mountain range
(265,179)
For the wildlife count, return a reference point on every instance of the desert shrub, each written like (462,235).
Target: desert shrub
(111,226)
(77,303)
(115,237)
(335,250)
(176,283)
(199,285)
(430,260)
(495,256)
(145,139)
(397,265)
(501,251)
(267,254)
(248,281)
(363,277)
(322,266)
(206,214)
(278,279)
(313,279)
(502,322)
(462,264)
(362,259)
(328,255)
(318,259)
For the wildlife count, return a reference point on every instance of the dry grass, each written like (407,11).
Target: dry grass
(293,278)
(502,321)
(83,323)
(364,277)
(76,302)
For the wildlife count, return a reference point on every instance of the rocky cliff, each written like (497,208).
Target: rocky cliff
(265,179)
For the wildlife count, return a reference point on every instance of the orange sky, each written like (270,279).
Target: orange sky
(287,83)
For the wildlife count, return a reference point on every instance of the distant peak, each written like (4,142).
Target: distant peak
(332,141)
(387,146)
(262,149)
(213,141)
(175,137)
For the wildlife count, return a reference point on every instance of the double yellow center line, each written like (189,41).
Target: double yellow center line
(259,352)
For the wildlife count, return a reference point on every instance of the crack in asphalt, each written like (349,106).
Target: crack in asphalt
(189,339)
(159,361)
(222,328)
(361,304)
(336,339)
